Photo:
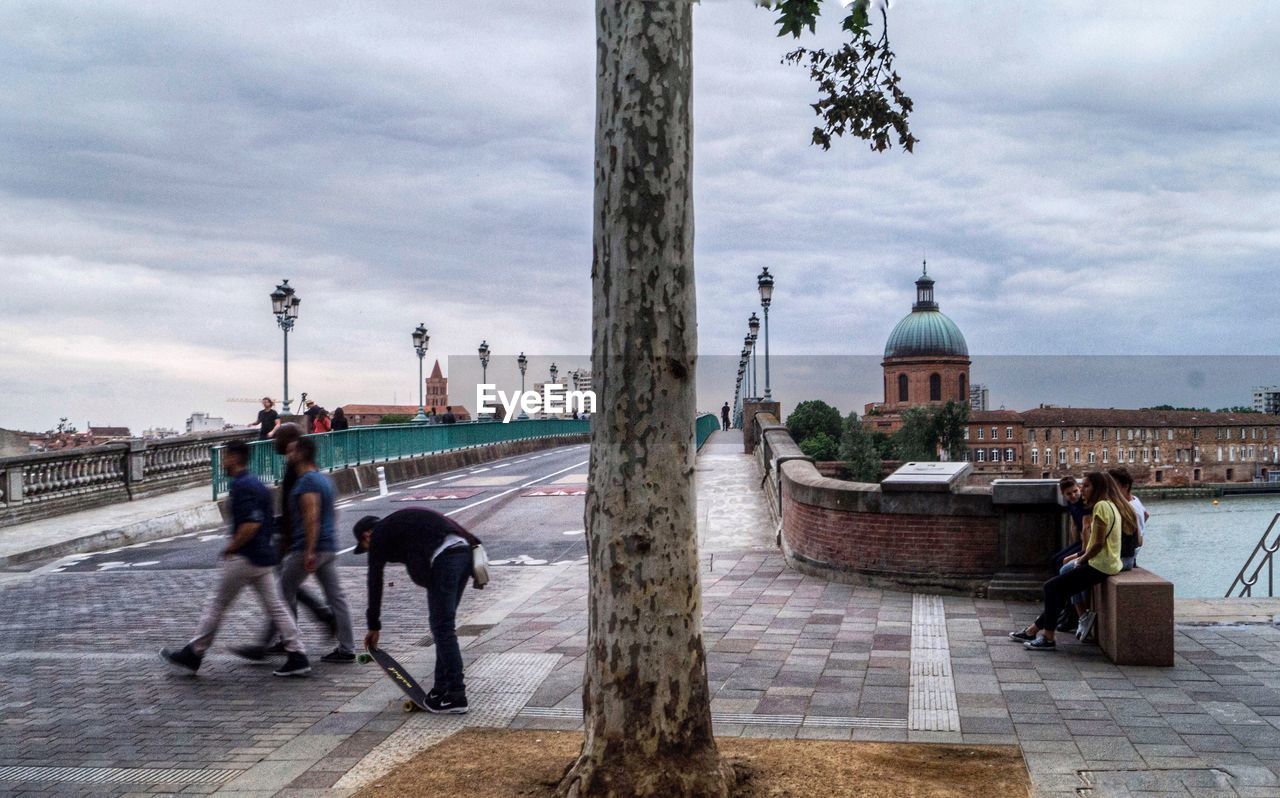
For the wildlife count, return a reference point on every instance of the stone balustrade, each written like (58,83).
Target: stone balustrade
(46,484)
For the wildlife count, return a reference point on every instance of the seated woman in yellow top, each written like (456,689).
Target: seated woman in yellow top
(1113,517)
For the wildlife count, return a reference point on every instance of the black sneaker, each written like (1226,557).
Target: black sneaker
(276,648)
(251,653)
(184,658)
(296,665)
(1021,636)
(435,692)
(339,656)
(448,704)
(1040,644)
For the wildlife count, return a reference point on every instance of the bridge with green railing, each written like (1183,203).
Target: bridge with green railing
(383,442)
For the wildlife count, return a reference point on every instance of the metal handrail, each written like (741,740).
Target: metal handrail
(1268,551)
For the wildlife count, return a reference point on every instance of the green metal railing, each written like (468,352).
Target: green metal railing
(707,424)
(360,445)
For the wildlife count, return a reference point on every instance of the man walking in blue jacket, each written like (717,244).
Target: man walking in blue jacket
(247,561)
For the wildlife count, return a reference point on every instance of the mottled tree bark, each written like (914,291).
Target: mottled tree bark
(645,698)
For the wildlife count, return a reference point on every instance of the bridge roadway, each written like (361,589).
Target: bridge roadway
(527,509)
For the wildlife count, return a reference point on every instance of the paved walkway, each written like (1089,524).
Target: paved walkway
(788,656)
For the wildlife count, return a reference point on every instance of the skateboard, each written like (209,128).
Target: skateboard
(397,674)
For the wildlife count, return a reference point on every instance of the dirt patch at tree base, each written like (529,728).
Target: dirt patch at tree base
(500,763)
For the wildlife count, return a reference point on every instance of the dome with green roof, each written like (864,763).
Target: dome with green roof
(925,332)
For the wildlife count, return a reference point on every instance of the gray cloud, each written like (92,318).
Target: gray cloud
(1101,179)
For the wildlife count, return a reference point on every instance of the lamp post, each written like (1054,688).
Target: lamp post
(484,361)
(554,372)
(753,325)
(284,304)
(420,340)
(765,283)
(523,363)
(748,346)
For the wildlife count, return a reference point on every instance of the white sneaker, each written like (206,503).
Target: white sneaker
(1086,625)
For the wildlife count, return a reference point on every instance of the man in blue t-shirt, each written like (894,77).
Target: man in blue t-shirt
(247,561)
(315,545)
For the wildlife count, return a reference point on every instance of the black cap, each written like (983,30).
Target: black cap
(362,526)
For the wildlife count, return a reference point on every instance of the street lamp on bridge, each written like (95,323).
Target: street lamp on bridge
(484,361)
(523,363)
(765,283)
(420,341)
(753,326)
(748,346)
(284,304)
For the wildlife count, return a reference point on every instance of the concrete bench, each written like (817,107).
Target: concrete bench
(1135,618)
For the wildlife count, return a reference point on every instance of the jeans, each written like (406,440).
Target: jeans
(1079,599)
(449,574)
(237,574)
(293,574)
(1057,589)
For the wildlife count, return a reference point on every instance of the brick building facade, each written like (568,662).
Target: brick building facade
(1174,447)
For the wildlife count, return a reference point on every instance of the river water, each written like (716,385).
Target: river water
(1200,546)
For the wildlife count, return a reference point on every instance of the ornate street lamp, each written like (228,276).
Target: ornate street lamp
(753,325)
(420,340)
(523,363)
(284,304)
(484,361)
(749,346)
(554,372)
(765,283)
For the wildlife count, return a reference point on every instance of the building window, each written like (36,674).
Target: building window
(1195,474)
(1231,474)
(1105,452)
(1075,434)
(1251,455)
(995,455)
(995,433)
(982,434)
(1031,435)
(1231,453)
(1035,457)
(1104,434)
(1219,454)
(1195,434)
(1062,434)
(1008,433)
(982,455)
(1062,457)
(1077,454)
(964,389)
(1168,435)
(1159,475)
(967,455)
(1091,434)
(966,433)
(1093,458)
(935,388)
(1119,454)
(1008,455)
(1197,448)
(1156,453)
(902,387)
(1129,434)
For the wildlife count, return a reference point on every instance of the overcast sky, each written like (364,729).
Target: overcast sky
(1090,178)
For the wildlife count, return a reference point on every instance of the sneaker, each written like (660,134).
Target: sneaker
(448,704)
(339,656)
(296,665)
(1040,644)
(251,653)
(276,648)
(1021,636)
(435,692)
(1086,625)
(184,658)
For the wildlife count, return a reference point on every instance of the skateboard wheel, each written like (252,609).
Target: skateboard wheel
(409,706)
(363,659)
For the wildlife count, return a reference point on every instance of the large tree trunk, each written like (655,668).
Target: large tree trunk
(645,696)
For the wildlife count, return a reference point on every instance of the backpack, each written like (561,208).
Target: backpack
(322,423)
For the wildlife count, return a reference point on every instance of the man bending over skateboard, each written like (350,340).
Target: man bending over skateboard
(247,561)
(436,552)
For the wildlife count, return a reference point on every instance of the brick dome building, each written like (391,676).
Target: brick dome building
(926,360)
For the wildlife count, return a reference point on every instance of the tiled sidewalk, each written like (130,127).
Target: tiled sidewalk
(795,656)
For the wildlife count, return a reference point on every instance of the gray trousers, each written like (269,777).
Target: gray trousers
(293,574)
(237,574)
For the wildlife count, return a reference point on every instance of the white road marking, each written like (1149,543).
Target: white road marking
(451,479)
(477,470)
(423,484)
(504,465)
(574,532)
(383,496)
(554,473)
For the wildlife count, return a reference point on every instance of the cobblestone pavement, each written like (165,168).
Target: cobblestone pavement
(81,688)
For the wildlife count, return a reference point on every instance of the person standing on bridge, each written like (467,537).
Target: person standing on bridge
(436,551)
(268,419)
(724,417)
(247,561)
(315,545)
